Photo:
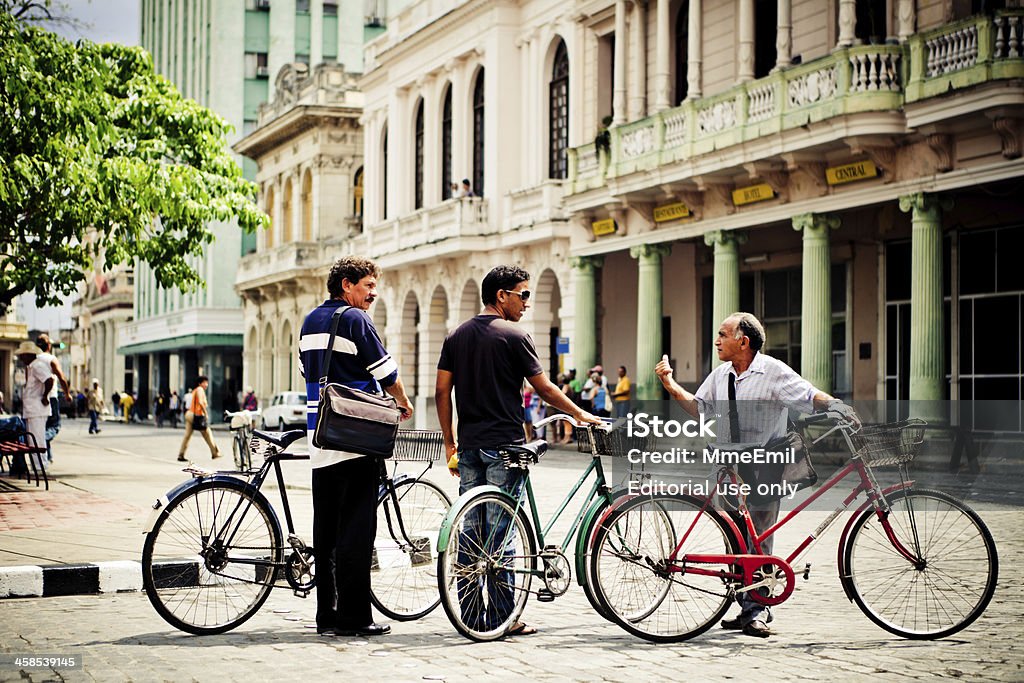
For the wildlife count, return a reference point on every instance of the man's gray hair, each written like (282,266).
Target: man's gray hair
(748,324)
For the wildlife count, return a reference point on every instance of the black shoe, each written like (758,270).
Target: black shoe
(368,630)
(757,629)
(732,624)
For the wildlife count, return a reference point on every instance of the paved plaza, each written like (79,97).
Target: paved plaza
(97,507)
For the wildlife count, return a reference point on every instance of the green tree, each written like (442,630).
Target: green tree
(100,154)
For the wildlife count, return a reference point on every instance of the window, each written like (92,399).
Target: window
(446,145)
(871,21)
(558,114)
(330,8)
(682,52)
(766,29)
(357,194)
(302,6)
(478,135)
(418,181)
(269,208)
(256,65)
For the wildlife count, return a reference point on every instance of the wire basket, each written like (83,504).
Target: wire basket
(616,442)
(895,443)
(419,445)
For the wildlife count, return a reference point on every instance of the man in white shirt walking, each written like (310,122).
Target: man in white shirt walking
(35,406)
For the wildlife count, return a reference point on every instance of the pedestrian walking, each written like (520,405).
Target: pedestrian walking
(53,422)
(39,382)
(173,407)
(96,405)
(197,418)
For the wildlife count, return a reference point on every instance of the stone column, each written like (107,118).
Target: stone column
(648,319)
(726,279)
(784,36)
(619,86)
(695,52)
(816,299)
(927,370)
(663,59)
(638,59)
(745,55)
(847,23)
(906,17)
(584,271)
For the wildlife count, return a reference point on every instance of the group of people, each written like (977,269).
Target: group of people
(484,363)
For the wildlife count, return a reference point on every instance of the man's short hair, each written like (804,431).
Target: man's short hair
(622,367)
(201,379)
(748,324)
(351,268)
(43,342)
(501,277)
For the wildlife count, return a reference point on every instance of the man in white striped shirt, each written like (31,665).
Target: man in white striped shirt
(762,390)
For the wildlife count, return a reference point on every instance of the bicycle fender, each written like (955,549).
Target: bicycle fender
(456,508)
(586,530)
(844,575)
(163,501)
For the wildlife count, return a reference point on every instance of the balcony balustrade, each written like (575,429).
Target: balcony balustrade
(443,225)
(278,263)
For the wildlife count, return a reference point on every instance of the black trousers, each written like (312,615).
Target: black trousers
(344,527)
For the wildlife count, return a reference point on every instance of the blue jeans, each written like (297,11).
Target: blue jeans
(94,421)
(487,531)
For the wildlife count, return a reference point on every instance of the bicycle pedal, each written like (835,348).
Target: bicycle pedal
(301,594)
(807,571)
(544,595)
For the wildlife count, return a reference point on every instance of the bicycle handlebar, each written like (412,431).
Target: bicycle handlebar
(606,423)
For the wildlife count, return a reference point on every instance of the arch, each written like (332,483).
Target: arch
(357,194)
(446,143)
(266,384)
(682,43)
(438,306)
(250,354)
(479,120)
(379,315)
(285,361)
(268,234)
(418,155)
(286,213)
(307,206)
(469,300)
(558,113)
(409,342)
(547,323)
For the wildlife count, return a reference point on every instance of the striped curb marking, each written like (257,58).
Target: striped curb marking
(84,579)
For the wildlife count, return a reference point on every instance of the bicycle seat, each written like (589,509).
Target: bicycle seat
(522,455)
(281,439)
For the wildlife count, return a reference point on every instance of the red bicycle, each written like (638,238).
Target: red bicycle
(919,563)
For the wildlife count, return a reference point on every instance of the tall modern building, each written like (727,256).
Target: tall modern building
(224,54)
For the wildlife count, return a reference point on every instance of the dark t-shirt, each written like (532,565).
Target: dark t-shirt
(489,358)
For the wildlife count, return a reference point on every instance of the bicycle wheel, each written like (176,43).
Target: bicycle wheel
(485,572)
(196,582)
(403,583)
(946,590)
(630,568)
(240,451)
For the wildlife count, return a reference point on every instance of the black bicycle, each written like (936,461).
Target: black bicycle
(215,548)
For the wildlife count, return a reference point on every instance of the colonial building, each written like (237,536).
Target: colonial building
(12,333)
(103,308)
(848,170)
(308,146)
(222,54)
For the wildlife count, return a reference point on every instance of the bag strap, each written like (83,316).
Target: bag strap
(734,415)
(325,365)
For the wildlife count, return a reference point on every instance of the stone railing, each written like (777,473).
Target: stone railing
(451,219)
(278,262)
(965,53)
(533,205)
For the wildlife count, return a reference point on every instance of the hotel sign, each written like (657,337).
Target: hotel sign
(605,227)
(754,193)
(670,212)
(848,173)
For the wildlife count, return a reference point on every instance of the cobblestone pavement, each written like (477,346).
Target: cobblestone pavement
(819,634)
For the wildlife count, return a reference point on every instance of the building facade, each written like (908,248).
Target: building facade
(308,147)
(223,55)
(848,170)
(103,308)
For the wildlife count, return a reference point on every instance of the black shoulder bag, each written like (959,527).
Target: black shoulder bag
(352,420)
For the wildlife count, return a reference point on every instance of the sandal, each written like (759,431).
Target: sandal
(521,628)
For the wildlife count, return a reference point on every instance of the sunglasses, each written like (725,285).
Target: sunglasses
(524,295)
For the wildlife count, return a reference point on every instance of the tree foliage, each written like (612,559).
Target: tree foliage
(100,154)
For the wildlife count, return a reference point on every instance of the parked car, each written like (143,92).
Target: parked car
(287,409)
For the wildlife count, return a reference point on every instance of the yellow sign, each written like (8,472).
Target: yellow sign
(754,193)
(848,173)
(670,212)
(605,227)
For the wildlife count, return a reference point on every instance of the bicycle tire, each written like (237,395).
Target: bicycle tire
(199,591)
(471,557)
(240,453)
(403,581)
(640,596)
(945,594)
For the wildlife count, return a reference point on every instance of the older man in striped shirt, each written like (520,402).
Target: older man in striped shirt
(759,390)
(345,484)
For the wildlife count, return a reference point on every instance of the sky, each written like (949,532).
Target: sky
(104,21)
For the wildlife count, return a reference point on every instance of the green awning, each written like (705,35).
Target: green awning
(187,341)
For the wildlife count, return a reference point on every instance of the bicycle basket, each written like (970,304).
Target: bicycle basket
(616,442)
(422,445)
(889,444)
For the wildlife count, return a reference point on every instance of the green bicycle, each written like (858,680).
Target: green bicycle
(490,550)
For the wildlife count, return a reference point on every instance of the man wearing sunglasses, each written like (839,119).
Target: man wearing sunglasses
(485,360)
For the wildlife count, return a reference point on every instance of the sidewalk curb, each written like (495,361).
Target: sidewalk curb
(46,581)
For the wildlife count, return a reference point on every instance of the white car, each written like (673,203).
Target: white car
(287,409)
